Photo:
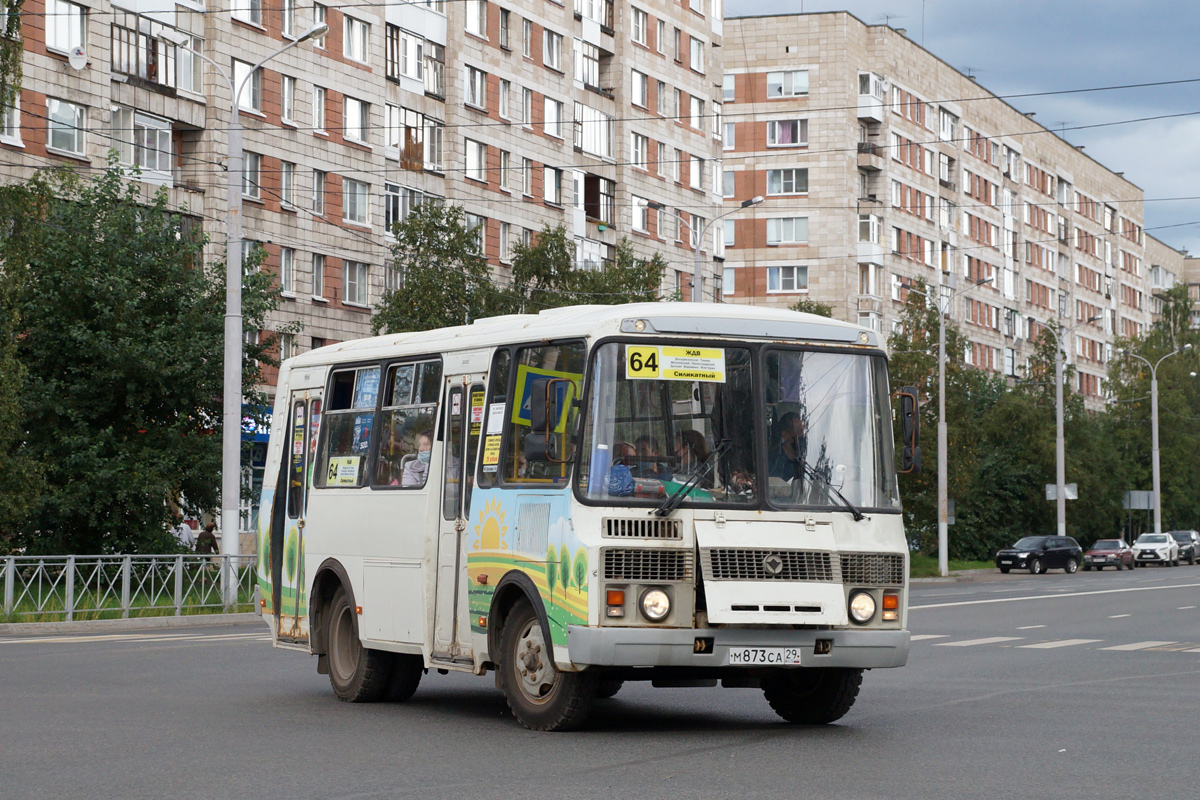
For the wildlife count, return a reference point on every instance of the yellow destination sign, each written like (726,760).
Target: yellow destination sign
(491,450)
(705,364)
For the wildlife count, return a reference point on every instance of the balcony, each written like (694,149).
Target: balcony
(870,156)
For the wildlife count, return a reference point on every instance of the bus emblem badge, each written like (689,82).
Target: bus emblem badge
(773,564)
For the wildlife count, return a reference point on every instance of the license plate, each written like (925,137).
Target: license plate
(1004,561)
(744,656)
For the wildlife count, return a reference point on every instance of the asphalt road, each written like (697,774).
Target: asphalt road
(1054,686)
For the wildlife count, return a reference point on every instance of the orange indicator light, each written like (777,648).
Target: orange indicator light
(616,597)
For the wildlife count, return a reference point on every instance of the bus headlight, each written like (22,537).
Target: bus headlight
(656,605)
(862,607)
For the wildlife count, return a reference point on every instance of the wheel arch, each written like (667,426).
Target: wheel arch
(330,575)
(512,588)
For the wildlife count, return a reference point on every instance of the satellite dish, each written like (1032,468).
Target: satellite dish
(78,58)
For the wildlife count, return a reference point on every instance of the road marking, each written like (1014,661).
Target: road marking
(1055,596)
(1029,627)
(1137,646)
(137,637)
(1197,650)
(1120,616)
(1059,643)
(922,636)
(1185,608)
(973,642)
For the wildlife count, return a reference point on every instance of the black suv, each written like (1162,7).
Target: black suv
(1189,545)
(1040,553)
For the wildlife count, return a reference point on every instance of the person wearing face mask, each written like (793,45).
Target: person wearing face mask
(416,472)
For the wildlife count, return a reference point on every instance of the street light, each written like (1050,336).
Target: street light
(231,418)
(943,476)
(697,273)
(1154,424)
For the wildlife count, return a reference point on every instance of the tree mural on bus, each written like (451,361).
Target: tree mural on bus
(581,566)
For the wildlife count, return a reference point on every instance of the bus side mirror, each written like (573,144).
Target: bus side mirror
(910,430)
(542,443)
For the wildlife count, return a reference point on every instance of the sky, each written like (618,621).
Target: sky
(1019,46)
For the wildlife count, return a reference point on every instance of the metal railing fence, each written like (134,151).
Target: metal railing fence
(69,588)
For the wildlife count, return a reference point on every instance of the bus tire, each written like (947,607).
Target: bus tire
(406,676)
(357,674)
(608,688)
(540,697)
(813,696)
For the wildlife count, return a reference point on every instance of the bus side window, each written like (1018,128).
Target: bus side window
(346,434)
(406,424)
(563,362)
(497,403)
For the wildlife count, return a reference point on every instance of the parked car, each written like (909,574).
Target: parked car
(1040,553)
(1156,548)
(1109,553)
(1189,545)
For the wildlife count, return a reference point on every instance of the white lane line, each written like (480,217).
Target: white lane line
(134,637)
(1055,596)
(973,642)
(1029,627)
(1059,643)
(1137,646)
(1120,616)
(1185,608)
(922,636)
(1197,650)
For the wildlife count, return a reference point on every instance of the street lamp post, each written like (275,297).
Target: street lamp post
(1154,426)
(697,268)
(1060,458)
(231,417)
(943,456)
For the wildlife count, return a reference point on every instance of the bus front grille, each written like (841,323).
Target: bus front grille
(746,564)
(873,569)
(648,566)
(642,529)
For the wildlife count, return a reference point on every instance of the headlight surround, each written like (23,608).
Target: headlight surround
(1022,555)
(861,607)
(655,605)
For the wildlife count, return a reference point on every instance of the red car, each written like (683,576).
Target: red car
(1109,553)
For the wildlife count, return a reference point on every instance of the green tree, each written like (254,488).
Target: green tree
(809,306)
(11,47)
(581,566)
(564,566)
(118,328)
(444,279)
(551,568)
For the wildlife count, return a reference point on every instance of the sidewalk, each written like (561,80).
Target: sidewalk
(137,623)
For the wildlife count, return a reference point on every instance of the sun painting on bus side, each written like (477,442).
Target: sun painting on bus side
(491,530)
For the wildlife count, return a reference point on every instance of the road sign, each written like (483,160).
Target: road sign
(1071,491)
(1138,501)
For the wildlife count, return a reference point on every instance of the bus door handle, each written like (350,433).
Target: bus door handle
(460,525)
(300,523)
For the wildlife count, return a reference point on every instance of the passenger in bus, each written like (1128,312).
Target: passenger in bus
(416,472)
(620,478)
(692,451)
(785,459)
(647,465)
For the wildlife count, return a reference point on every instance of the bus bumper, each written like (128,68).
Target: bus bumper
(709,647)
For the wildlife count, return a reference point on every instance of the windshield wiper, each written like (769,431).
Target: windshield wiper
(858,515)
(698,474)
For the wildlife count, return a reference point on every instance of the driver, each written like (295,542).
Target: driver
(786,457)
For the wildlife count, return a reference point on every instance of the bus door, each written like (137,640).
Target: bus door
(460,437)
(287,529)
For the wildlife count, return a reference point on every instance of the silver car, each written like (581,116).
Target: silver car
(1156,548)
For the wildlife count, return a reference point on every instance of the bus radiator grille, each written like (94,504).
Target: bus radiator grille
(745,564)
(642,529)
(648,566)
(873,569)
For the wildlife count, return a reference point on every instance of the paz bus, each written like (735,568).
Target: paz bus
(679,493)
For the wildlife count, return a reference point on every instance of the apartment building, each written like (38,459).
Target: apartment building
(881,165)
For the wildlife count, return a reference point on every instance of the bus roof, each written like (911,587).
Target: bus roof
(673,319)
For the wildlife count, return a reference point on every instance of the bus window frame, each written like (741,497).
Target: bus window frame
(377,426)
(323,432)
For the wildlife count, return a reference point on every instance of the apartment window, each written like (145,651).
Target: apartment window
(319,19)
(435,69)
(677,164)
(787,279)
(355,275)
(660,98)
(727,136)
(787,230)
(527,38)
(506,169)
(245,10)
(477,17)
(505,14)
(640,97)
(727,87)
(787,84)
(287,22)
(434,134)
(676,104)
(190,74)
(288,99)
(552,49)
(251,97)
(660,35)
(552,181)
(787,181)
(697,113)
(287,270)
(526,177)
(662,158)
(287,183)
(10,121)
(505,242)
(476,88)
(730,226)
(553,118)
(392,47)
(787,132)
(641,214)
(638,151)
(476,160)
(598,197)
(393,207)
(318,109)
(678,45)
(477,225)
(252,175)
(727,183)
(526,106)
(357,120)
(318,275)
(357,37)
(143,141)
(594,131)
(696,172)
(318,198)
(696,226)
(716,119)
(639,26)
(356,197)
(697,53)
(587,63)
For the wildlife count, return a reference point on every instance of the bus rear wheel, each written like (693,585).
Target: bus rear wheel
(357,674)
(540,697)
(816,696)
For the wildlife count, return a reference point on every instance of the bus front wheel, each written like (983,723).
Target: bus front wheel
(815,696)
(540,697)
(357,674)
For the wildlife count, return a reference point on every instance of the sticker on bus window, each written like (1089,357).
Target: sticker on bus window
(343,471)
(495,421)
(491,451)
(705,364)
(476,412)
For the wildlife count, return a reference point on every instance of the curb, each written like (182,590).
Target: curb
(957,577)
(91,626)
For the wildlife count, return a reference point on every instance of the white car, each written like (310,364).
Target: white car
(1156,548)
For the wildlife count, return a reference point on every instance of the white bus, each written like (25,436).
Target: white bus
(679,493)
